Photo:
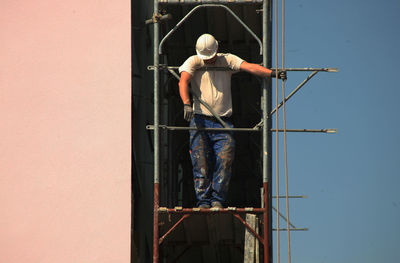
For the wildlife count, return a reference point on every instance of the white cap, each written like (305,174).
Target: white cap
(206,46)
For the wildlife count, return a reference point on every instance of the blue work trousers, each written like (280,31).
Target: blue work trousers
(212,154)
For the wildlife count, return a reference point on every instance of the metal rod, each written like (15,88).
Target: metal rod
(173,228)
(291,196)
(177,128)
(230,210)
(284,218)
(266,227)
(155,223)
(156,98)
(156,138)
(294,91)
(209,109)
(266,105)
(205,68)
(202,101)
(313,69)
(249,228)
(182,2)
(165,67)
(204,6)
(174,73)
(291,229)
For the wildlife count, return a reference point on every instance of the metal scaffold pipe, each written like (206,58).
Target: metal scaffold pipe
(290,196)
(165,67)
(179,128)
(204,6)
(291,229)
(156,138)
(294,91)
(266,105)
(313,69)
(191,2)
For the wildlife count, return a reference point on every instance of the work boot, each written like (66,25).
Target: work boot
(217,204)
(204,206)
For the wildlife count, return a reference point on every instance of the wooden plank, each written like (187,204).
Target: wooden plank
(250,240)
(257,248)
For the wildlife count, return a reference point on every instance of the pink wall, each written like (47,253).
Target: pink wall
(65,131)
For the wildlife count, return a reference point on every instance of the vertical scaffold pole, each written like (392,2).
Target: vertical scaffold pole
(267,134)
(156,137)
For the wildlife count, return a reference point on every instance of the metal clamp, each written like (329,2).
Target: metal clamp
(157,17)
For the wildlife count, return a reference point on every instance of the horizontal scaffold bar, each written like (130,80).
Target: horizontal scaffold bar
(290,196)
(196,210)
(291,229)
(160,46)
(165,67)
(311,69)
(182,2)
(176,128)
(230,210)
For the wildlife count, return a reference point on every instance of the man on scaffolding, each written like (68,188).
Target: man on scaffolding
(212,152)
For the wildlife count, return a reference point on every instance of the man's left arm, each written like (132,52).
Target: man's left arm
(261,71)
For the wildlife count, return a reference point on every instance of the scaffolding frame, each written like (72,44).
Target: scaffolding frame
(266,102)
(265,125)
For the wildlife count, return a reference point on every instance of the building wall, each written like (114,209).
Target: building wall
(65,139)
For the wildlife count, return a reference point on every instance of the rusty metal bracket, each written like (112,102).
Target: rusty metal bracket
(172,228)
(249,228)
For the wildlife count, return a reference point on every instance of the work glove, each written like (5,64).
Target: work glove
(281,74)
(188,112)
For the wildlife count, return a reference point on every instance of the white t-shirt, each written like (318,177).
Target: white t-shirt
(212,86)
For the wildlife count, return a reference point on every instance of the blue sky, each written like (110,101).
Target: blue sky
(351,178)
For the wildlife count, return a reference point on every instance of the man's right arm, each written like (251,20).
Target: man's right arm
(184,92)
(184,87)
